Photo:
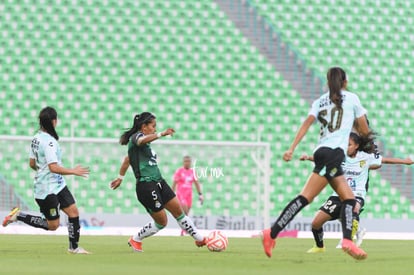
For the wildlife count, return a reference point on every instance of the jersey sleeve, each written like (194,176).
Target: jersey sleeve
(359,111)
(50,150)
(314,109)
(176,176)
(134,138)
(31,153)
(375,159)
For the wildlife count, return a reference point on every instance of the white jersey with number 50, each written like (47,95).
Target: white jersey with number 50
(336,123)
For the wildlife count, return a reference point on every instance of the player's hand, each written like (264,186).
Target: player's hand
(201,199)
(169,131)
(287,156)
(115,183)
(81,171)
(409,161)
(304,157)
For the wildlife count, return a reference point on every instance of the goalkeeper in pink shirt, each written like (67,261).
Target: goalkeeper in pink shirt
(184,178)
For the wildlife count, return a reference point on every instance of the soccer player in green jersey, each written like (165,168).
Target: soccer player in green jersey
(152,190)
(50,190)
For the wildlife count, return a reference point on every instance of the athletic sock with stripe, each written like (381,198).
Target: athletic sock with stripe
(290,211)
(188,225)
(35,221)
(147,230)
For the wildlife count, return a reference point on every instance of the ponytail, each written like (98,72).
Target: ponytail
(139,120)
(46,116)
(336,79)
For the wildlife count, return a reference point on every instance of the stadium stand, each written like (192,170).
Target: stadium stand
(370,40)
(101,62)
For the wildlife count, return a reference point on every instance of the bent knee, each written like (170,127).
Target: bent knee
(316,225)
(162,222)
(53,225)
(72,211)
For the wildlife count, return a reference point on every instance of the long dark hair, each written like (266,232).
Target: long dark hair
(365,143)
(336,78)
(46,116)
(144,118)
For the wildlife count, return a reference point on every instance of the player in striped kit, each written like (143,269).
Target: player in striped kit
(336,111)
(357,164)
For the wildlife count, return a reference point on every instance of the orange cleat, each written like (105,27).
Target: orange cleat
(354,251)
(201,243)
(11,217)
(268,242)
(136,246)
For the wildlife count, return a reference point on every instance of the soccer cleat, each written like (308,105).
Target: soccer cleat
(339,245)
(355,252)
(136,246)
(267,242)
(11,217)
(316,249)
(201,243)
(359,237)
(78,250)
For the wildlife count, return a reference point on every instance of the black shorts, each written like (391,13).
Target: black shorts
(51,205)
(154,195)
(333,205)
(328,162)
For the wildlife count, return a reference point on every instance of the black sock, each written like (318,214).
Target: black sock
(356,216)
(35,221)
(288,214)
(74,232)
(347,215)
(318,236)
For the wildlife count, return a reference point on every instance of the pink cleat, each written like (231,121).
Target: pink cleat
(268,242)
(354,251)
(136,246)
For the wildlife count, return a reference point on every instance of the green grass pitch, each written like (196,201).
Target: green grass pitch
(28,254)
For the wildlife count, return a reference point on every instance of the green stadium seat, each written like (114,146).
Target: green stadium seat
(185,57)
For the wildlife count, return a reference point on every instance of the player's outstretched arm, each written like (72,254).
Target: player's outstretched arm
(287,156)
(122,171)
(306,157)
(77,171)
(148,138)
(406,161)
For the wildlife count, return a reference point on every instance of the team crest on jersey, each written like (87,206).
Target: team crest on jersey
(53,212)
(362,163)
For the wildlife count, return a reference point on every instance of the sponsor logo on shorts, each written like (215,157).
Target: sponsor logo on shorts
(157,204)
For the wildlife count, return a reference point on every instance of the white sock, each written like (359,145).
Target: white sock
(187,224)
(148,230)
